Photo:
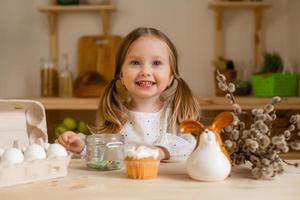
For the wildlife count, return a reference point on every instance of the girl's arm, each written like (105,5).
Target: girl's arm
(163,153)
(179,147)
(72,141)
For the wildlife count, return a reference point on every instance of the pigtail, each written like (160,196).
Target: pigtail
(168,94)
(111,115)
(184,105)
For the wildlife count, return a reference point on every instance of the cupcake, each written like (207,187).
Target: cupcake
(142,162)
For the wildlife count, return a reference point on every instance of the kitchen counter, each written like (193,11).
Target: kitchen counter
(172,183)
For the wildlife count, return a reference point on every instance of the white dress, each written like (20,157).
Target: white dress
(151,129)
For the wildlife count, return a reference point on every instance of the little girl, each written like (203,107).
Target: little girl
(146,99)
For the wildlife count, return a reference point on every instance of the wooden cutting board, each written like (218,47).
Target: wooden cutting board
(97,53)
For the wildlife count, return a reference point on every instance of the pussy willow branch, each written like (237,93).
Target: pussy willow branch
(256,144)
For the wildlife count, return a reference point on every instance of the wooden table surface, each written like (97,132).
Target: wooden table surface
(172,183)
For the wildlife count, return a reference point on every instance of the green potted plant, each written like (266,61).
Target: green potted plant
(271,80)
(272,63)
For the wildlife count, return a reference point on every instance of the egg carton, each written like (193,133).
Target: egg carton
(34,170)
(25,121)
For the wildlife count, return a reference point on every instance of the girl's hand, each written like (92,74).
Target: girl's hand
(163,153)
(71,141)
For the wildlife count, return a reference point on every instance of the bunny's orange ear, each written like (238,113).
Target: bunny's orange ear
(223,120)
(191,126)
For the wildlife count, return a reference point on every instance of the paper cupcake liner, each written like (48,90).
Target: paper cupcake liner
(142,169)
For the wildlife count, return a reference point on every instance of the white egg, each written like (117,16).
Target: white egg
(35,152)
(56,150)
(12,156)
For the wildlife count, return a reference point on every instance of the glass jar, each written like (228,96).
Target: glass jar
(104,152)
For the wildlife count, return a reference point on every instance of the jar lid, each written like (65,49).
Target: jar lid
(104,138)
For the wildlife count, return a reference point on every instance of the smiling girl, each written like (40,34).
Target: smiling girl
(146,99)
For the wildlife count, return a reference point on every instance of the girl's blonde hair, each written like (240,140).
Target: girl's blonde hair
(113,113)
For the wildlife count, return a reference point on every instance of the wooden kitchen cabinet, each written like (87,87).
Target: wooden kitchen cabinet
(53,11)
(58,108)
(86,108)
(258,7)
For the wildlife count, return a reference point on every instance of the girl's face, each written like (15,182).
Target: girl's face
(146,70)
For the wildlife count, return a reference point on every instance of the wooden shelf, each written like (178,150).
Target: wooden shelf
(247,103)
(52,12)
(56,8)
(56,103)
(239,5)
(207,103)
(257,7)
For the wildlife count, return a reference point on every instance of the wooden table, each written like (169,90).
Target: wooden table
(172,183)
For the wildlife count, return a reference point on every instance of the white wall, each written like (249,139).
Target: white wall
(189,24)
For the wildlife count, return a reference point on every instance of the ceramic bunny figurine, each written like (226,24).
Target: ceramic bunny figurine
(210,160)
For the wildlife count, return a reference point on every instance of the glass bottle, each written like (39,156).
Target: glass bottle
(49,80)
(65,79)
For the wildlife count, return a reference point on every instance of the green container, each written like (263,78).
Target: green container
(276,84)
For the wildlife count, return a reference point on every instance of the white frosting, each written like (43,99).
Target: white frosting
(141,152)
